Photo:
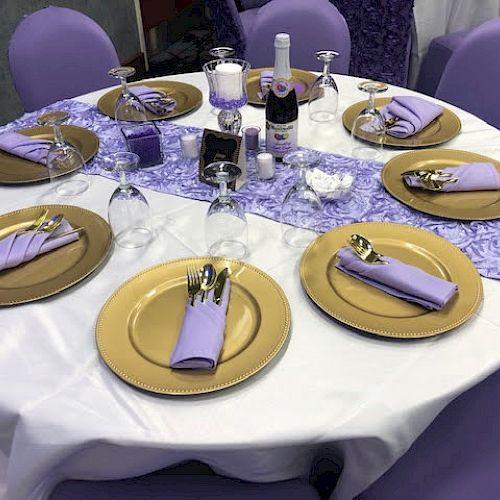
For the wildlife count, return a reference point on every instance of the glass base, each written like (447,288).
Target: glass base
(134,237)
(71,187)
(298,237)
(233,249)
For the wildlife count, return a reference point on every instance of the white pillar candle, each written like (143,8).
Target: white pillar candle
(228,80)
(265,166)
(189,146)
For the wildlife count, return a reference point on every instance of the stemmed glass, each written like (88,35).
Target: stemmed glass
(128,211)
(301,208)
(368,130)
(324,94)
(64,162)
(226,230)
(128,107)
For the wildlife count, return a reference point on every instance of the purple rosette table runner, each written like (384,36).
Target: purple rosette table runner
(470,177)
(367,201)
(398,279)
(20,247)
(202,333)
(25,147)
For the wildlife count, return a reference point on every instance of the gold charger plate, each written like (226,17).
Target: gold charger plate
(59,269)
(15,170)
(304,78)
(475,205)
(444,128)
(187,97)
(366,308)
(138,326)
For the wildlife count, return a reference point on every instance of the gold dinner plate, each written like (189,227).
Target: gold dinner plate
(444,128)
(138,326)
(59,269)
(474,205)
(15,170)
(187,97)
(369,309)
(303,78)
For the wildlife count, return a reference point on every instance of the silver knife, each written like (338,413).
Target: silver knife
(219,285)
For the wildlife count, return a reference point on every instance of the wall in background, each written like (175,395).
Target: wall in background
(117,17)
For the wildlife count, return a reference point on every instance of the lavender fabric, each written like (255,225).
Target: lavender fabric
(471,177)
(398,279)
(18,248)
(25,147)
(413,114)
(367,201)
(202,333)
(147,96)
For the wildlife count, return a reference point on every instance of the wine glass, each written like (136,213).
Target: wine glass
(324,94)
(301,208)
(128,211)
(226,229)
(64,162)
(368,130)
(128,107)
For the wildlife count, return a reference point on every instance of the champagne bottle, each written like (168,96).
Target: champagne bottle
(281,106)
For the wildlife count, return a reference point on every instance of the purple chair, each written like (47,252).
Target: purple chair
(56,53)
(251,32)
(195,487)
(456,458)
(470,79)
(440,51)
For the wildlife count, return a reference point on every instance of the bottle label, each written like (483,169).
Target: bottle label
(282,87)
(281,137)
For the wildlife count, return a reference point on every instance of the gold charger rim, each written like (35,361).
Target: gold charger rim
(86,135)
(106,102)
(91,269)
(415,334)
(448,117)
(280,340)
(397,188)
(307,76)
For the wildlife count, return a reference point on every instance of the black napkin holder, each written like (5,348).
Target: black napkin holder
(221,146)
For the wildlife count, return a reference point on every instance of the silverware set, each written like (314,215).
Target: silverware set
(161,105)
(201,281)
(433,180)
(391,122)
(365,250)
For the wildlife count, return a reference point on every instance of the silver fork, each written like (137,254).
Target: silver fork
(193,283)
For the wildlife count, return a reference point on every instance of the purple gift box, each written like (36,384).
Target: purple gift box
(144,139)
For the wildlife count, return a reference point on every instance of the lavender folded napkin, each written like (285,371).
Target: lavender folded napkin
(399,279)
(25,147)
(202,333)
(20,247)
(471,177)
(150,98)
(266,81)
(412,113)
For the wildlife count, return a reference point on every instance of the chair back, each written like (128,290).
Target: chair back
(57,53)
(470,79)
(313,25)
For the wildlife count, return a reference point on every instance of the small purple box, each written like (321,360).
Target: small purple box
(144,139)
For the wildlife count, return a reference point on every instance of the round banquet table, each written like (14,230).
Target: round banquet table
(64,414)
(433,19)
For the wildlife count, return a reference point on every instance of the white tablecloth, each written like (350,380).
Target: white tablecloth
(64,414)
(438,17)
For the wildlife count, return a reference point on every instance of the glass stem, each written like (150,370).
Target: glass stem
(326,68)
(123,82)
(123,180)
(223,194)
(58,137)
(371,100)
(302,177)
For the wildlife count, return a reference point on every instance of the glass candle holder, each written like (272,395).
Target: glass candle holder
(144,139)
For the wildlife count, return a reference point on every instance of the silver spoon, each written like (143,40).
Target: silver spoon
(208,276)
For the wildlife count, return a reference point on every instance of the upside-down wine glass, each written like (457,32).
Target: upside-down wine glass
(301,208)
(226,230)
(65,163)
(128,211)
(324,94)
(227,82)
(128,107)
(368,130)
